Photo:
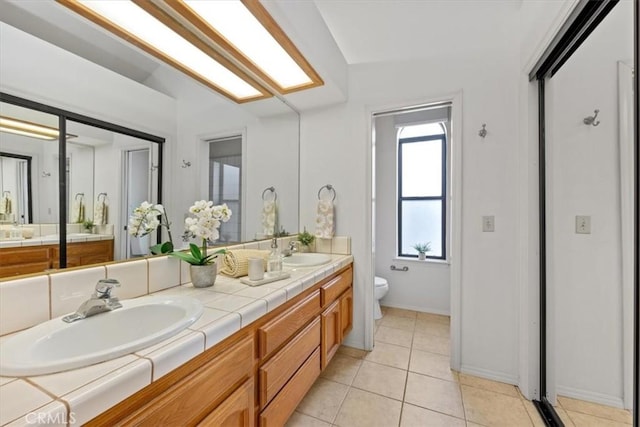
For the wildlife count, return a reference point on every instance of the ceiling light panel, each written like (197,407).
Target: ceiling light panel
(135,24)
(251,36)
(20,127)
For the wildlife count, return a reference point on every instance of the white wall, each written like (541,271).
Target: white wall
(333,149)
(585,277)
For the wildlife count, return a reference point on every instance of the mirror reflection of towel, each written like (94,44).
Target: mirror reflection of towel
(100,213)
(269,213)
(77,212)
(324,219)
(6,205)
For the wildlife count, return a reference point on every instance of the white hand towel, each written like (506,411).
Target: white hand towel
(269,212)
(6,205)
(100,213)
(325,219)
(77,212)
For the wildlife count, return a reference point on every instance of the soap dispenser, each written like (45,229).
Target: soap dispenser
(274,263)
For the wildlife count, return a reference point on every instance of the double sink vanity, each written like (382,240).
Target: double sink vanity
(243,355)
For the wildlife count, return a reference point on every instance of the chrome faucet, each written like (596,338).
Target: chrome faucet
(294,247)
(100,301)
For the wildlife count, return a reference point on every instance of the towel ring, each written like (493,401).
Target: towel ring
(79,194)
(329,187)
(271,189)
(104,197)
(6,193)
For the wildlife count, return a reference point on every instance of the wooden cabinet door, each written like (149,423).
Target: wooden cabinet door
(331,332)
(237,410)
(346,312)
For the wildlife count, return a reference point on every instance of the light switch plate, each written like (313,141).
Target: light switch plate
(489,224)
(583,224)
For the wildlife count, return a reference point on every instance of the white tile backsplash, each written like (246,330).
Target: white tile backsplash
(133,278)
(164,272)
(71,288)
(24,303)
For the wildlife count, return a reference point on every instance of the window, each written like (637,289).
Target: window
(422,189)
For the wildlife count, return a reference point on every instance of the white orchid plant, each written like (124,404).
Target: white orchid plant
(145,219)
(204,224)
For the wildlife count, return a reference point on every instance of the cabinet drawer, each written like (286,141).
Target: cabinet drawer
(236,411)
(346,312)
(336,286)
(277,371)
(281,408)
(195,396)
(279,330)
(331,332)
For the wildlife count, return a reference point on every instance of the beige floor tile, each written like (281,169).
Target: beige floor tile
(432,328)
(595,409)
(498,387)
(323,400)
(400,312)
(353,352)
(398,322)
(394,336)
(439,318)
(361,408)
(434,394)
(585,420)
(390,355)
(414,416)
(381,379)
(302,420)
(493,409)
(534,415)
(564,417)
(470,424)
(432,343)
(434,365)
(342,369)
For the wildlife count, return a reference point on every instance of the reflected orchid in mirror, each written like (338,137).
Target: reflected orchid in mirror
(145,219)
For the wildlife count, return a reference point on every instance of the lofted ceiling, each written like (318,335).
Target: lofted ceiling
(364,31)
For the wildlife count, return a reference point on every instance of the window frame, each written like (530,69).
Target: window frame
(442,198)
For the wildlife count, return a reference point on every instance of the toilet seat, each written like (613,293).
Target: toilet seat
(379,281)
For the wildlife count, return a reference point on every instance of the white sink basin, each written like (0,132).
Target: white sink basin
(56,346)
(306,260)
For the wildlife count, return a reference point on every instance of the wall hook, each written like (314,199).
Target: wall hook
(154,167)
(185,164)
(591,120)
(483,132)
(46,174)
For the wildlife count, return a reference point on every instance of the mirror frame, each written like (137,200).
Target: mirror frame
(29,188)
(63,116)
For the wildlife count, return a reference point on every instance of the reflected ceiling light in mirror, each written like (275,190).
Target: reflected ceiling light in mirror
(148,27)
(33,130)
(245,30)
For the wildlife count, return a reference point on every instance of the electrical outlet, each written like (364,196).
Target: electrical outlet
(488,224)
(583,224)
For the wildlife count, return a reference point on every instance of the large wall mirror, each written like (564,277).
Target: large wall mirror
(587,114)
(108,172)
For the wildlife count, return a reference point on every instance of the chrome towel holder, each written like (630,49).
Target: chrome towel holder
(330,188)
(591,120)
(272,190)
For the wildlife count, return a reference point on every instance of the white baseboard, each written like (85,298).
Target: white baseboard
(386,303)
(591,396)
(489,375)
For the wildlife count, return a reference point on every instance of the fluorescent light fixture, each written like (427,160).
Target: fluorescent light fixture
(247,31)
(149,28)
(33,130)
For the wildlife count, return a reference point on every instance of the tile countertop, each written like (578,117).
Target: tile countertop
(78,395)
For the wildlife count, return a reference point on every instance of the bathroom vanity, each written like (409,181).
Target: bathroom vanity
(258,375)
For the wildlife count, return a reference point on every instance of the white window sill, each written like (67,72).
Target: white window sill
(428,261)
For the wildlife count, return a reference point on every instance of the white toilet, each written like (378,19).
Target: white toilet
(380,290)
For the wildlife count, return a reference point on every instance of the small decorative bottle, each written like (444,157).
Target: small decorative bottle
(274,263)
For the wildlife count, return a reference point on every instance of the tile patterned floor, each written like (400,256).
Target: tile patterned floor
(406,382)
